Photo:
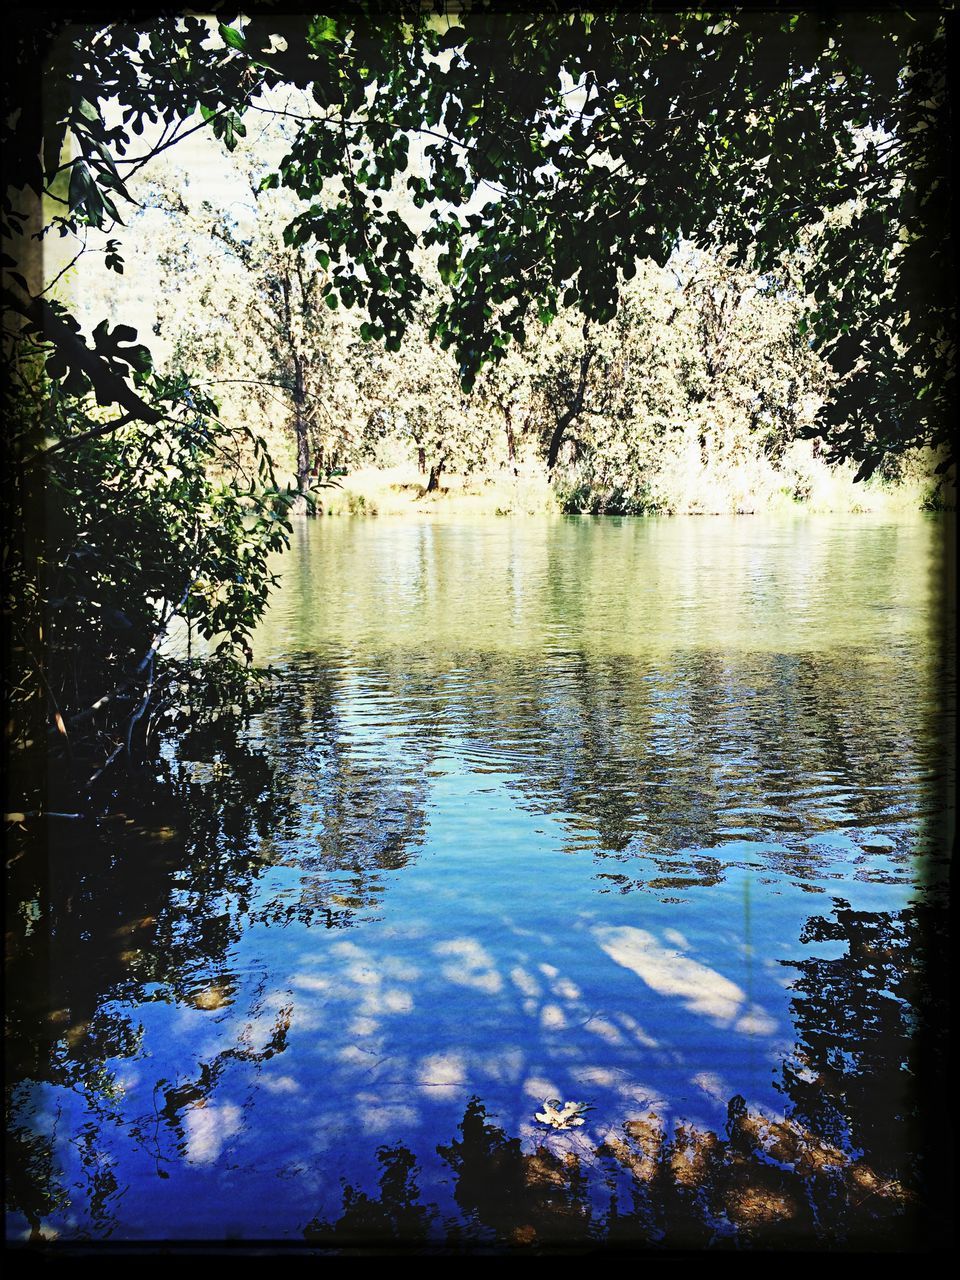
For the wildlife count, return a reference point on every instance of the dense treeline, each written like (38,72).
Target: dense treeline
(701,352)
(702,393)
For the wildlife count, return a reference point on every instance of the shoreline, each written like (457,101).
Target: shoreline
(401,492)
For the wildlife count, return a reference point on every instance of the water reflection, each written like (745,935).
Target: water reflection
(871,1030)
(670,973)
(671,771)
(840,1168)
(504,859)
(352,817)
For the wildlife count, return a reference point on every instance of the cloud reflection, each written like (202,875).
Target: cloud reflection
(471,965)
(208,1127)
(670,973)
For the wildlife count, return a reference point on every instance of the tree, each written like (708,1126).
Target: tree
(123,533)
(561,150)
(755,372)
(506,390)
(699,351)
(252,323)
(602,139)
(130,508)
(415,395)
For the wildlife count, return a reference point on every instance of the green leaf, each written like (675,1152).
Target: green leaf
(80,185)
(233,37)
(322,30)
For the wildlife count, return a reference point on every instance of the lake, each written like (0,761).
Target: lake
(648,815)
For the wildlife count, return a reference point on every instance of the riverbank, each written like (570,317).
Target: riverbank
(798,482)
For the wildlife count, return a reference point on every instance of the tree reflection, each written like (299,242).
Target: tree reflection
(848,1166)
(147,904)
(355,812)
(668,760)
(396,1215)
(301,816)
(655,766)
(763,1184)
(868,1070)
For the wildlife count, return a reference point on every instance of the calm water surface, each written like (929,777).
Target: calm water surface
(644,814)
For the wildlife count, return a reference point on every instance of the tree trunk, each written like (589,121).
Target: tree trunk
(573,412)
(511,442)
(556,440)
(303,446)
(422,461)
(434,482)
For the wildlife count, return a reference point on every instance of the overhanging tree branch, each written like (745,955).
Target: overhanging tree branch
(108,386)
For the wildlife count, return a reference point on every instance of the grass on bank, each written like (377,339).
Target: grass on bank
(681,485)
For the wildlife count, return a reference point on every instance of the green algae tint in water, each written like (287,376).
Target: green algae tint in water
(647,815)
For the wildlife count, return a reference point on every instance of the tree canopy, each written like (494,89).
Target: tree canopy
(560,149)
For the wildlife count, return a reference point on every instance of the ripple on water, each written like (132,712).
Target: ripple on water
(626,814)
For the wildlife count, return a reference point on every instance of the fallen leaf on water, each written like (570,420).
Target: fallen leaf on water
(562,1115)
